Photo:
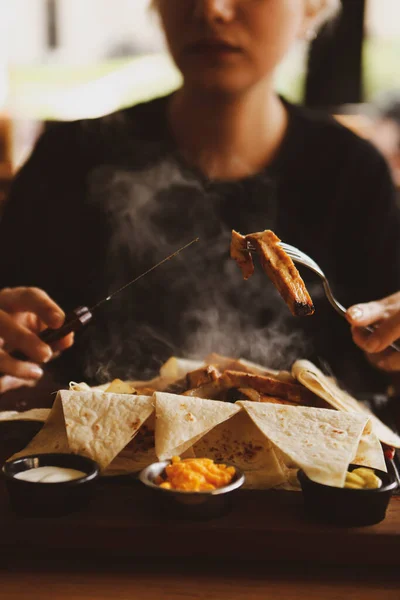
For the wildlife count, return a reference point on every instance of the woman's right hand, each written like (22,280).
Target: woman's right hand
(25,312)
(384,316)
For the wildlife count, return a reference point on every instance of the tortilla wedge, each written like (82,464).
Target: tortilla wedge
(100,425)
(182,420)
(95,424)
(51,438)
(138,453)
(325,387)
(239,442)
(369,452)
(320,441)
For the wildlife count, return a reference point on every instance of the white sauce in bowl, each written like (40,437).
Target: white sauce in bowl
(50,475)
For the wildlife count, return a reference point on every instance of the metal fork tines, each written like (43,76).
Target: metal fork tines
(250,248)
(300,257)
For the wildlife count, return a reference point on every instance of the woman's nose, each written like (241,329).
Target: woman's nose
(221,11)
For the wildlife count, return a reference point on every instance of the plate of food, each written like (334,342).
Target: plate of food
(269,423)
(281,432)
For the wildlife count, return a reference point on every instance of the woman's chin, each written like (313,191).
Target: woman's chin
(218,84)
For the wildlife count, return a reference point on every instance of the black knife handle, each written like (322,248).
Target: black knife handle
(74,321)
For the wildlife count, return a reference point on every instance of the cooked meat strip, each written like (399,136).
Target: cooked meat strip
(249,394)
(209,390)
(269,386)
(200,377)
(177,387)
(222,363)
(275,400)
(255,396)
(146,391)
(281,270)
(240,254)
(226,363)
(250,367)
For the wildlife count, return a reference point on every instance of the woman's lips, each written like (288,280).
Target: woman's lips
(213,47)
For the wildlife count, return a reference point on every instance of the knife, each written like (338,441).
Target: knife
(82,315)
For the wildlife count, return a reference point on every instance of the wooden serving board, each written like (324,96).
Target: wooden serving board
(263,525)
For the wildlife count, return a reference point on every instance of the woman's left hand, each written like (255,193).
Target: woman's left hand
(384,315)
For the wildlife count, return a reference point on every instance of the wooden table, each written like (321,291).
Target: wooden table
(122,548)
(126,519)
(152,580)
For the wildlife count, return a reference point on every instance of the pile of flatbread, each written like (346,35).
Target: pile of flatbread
(269,441)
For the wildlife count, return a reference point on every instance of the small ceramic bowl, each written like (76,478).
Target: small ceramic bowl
(191,505)
(50,499)
(344,506)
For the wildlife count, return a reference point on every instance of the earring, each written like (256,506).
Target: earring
(310,35)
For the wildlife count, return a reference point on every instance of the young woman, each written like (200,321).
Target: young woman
(101,201)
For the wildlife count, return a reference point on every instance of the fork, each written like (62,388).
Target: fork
(300,257)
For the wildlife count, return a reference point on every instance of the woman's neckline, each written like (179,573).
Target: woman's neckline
(194,172)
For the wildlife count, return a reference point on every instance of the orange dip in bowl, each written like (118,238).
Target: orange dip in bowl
(195,475)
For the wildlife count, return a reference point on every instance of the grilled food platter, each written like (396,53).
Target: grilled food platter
(217,457)
(265,519)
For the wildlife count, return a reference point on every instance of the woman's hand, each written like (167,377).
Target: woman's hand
(25,312)
(385,316)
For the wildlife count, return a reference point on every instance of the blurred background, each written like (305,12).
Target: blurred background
(72,59)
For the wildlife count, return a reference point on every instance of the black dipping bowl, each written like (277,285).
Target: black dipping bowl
(344,506)
(16,435)
(191,505)
(50,499)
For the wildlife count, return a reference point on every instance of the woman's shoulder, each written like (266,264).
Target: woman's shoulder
(327,139)
(144,120)
(89,141)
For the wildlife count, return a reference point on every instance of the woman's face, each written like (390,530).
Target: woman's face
(230,45)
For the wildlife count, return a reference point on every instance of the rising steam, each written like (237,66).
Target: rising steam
(198,303)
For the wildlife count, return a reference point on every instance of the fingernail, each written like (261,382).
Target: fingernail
(47,355)
(35,372)
(356,313)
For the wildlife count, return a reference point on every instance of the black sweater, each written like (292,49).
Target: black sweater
(101,200)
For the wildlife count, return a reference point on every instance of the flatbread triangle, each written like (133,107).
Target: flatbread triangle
(181,421)
(325,387)
(100,425)
(322,442)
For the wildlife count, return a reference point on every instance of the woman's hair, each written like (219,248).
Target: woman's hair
(323,10)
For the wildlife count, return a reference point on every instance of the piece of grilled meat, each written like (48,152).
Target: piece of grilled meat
(240,255)
(278,266)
